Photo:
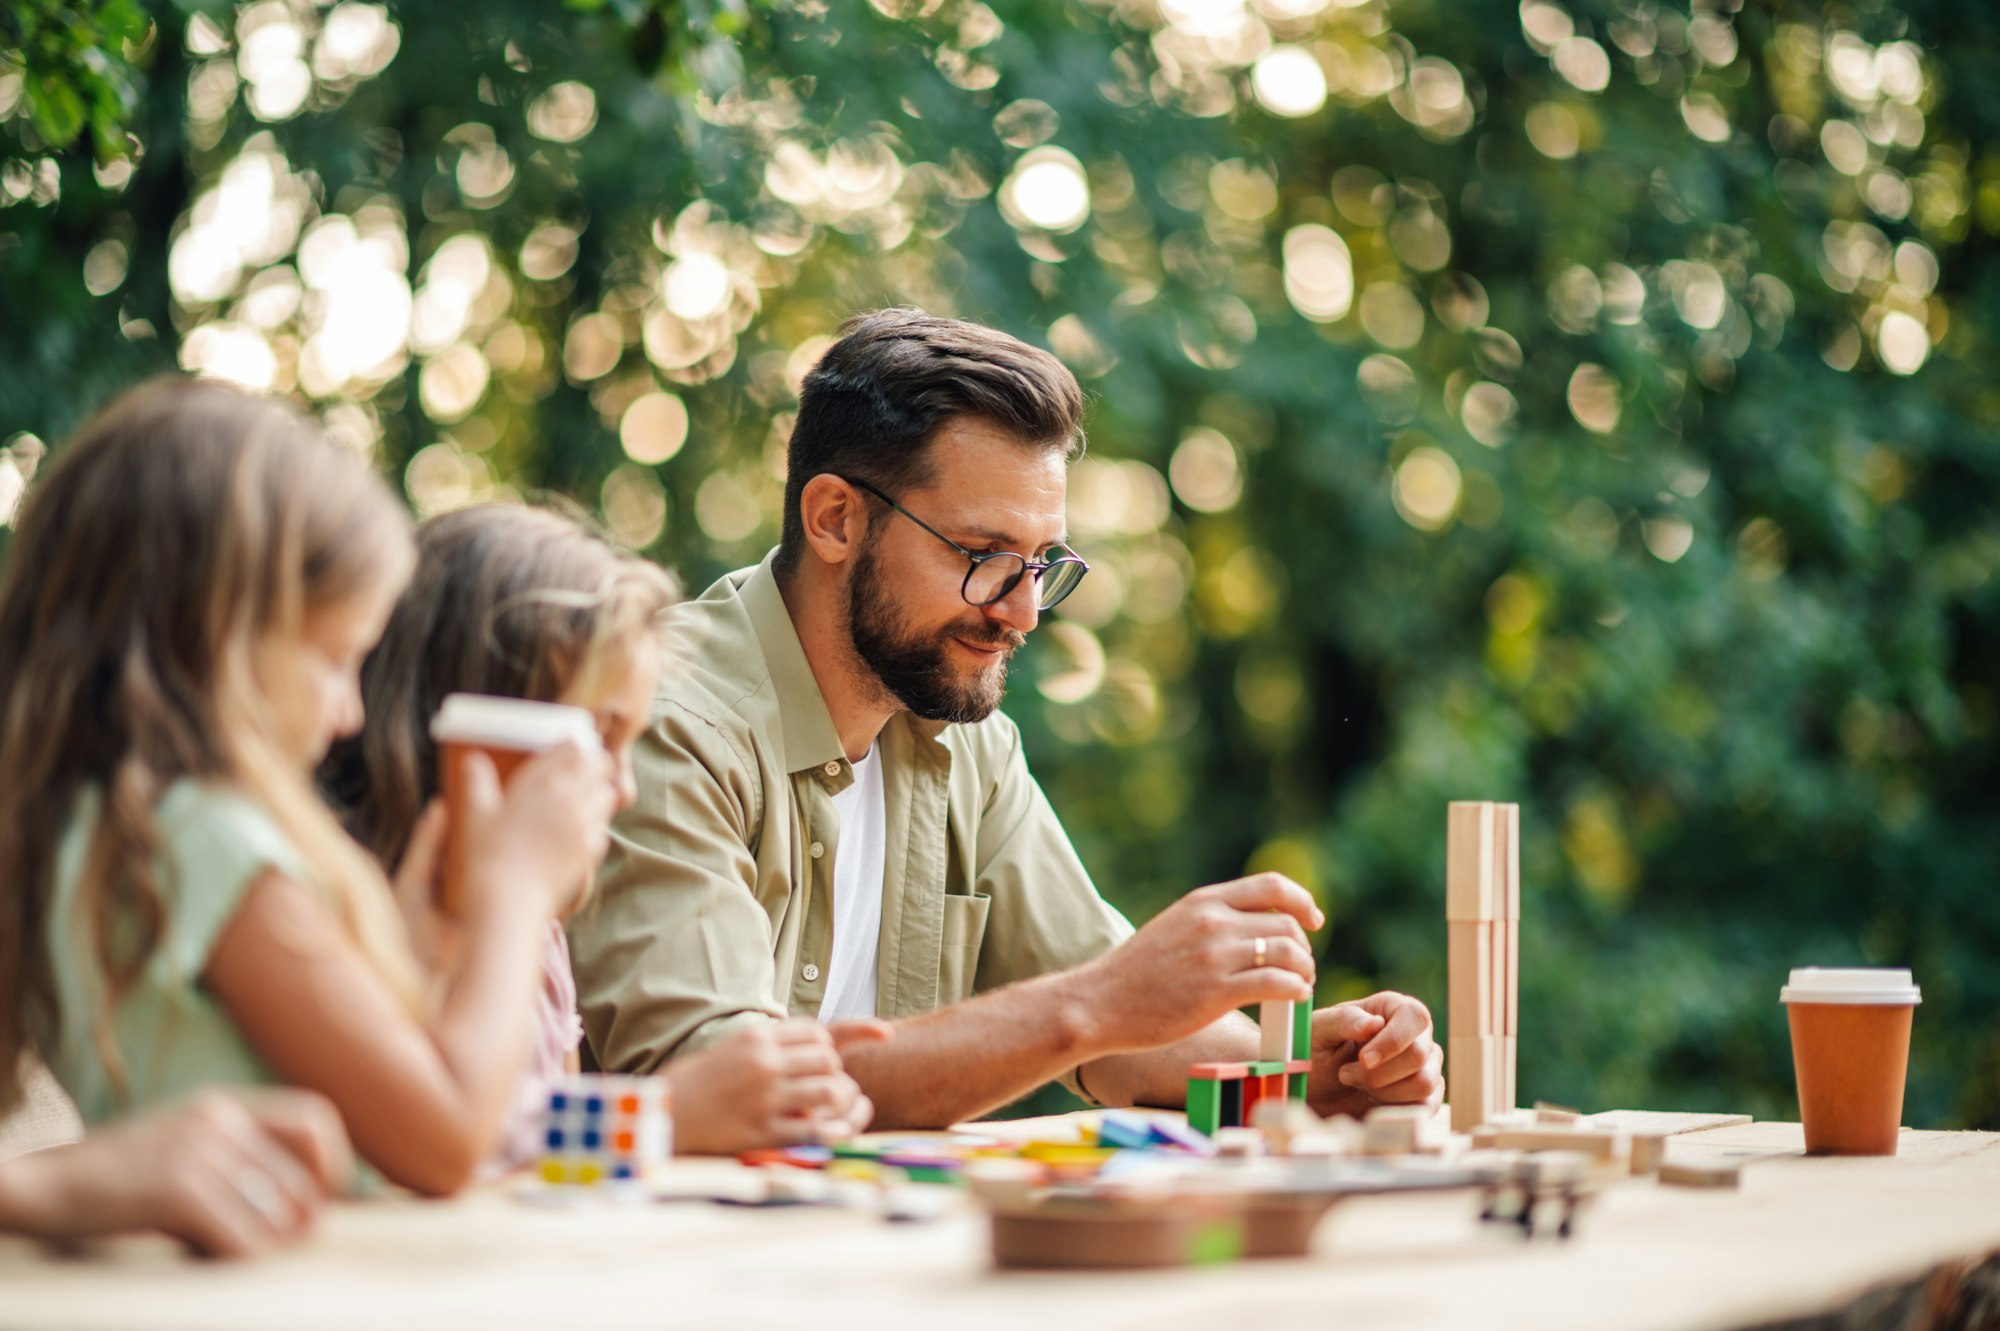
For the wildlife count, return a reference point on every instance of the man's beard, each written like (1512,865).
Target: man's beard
(916,669)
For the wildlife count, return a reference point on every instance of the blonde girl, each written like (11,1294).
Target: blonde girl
(524,603)
(190,592)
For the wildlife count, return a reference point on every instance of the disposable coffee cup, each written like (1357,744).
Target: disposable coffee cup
(1851,1054)
(509,731)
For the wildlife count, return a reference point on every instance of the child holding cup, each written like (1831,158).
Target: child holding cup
(190,591)
(524,609)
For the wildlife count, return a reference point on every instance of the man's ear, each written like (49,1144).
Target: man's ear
(835,517)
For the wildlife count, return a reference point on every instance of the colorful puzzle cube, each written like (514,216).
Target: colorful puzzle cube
(605,1129)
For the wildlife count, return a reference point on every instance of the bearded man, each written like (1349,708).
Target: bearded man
(835,820)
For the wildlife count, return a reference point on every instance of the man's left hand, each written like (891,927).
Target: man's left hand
(1379,1050)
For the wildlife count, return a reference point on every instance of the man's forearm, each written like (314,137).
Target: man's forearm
(1158,1077)
(958,1062)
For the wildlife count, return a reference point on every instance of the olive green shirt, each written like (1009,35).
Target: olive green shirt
(714,908)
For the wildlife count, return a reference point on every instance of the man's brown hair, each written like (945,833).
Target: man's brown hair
(871,407)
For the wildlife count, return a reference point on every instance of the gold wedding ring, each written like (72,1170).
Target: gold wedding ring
(1258,947)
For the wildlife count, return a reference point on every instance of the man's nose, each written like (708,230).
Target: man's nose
(1021,608)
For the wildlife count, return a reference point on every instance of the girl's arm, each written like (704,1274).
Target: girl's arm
(227,1173)
(424,1101)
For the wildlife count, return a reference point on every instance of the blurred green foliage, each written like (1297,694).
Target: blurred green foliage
(1581,404)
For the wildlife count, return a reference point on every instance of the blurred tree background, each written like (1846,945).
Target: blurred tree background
(1580,402)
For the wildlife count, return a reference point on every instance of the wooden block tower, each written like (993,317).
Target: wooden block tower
(1224,1095)
(1483,924)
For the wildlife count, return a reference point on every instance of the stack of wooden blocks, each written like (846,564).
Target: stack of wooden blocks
(1483,918)
(1226,1095)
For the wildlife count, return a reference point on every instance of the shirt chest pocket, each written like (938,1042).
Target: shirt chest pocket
(964,931)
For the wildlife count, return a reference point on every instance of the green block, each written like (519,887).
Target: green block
(1295,1088)
(1204,1104)
(1302,1030)
(1271,1069)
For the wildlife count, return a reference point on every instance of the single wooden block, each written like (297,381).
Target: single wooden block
(1302,1030)
(1393,1129)
(1204,1104)
(1471,1063)
(1604,1147)
(1508,1073)
(1219,1071)
(1469,955)
(1649,1152)
(1267,1067)
(1274,1031)
(1469,876)
(1702,1176)
(1510,950)
(1554,1116)
(1508,870)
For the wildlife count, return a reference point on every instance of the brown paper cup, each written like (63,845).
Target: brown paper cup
(507,730)
(1851,1055)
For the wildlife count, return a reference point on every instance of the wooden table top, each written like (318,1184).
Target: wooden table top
(1802,1236)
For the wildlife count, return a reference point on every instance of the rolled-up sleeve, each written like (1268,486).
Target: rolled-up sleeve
(674,952)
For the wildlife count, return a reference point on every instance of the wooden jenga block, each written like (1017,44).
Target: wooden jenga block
(1471,1065)
(1469,985)
(1605,1147)
(1274,1031)
(1469,878)
(1506,1076)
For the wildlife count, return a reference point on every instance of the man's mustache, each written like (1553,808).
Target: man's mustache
(989,634)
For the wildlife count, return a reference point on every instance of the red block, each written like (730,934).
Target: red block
(1219,1071)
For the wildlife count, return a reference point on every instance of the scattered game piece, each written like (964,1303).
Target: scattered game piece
(599,1128)
(1728,1175)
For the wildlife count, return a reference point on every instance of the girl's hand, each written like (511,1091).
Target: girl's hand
(546,832)
(774,1084)
(228,1173)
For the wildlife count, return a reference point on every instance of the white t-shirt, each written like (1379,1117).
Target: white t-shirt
(857,893)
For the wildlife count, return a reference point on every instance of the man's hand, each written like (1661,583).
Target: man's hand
(1380,1050)
(776,1084)
(1216,949)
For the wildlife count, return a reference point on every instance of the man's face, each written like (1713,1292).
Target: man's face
(943,659)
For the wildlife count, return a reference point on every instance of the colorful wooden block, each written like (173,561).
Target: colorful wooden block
(1204,1104)
(1302,1030)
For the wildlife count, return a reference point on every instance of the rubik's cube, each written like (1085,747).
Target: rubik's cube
(1224,1095)
(601,1128)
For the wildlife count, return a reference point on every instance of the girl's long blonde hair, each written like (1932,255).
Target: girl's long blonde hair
(183,530)
(507,600)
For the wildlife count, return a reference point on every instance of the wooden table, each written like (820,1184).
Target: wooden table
(1802,1238)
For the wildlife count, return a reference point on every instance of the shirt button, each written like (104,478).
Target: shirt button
(818,850)
(832,769)
(811,972)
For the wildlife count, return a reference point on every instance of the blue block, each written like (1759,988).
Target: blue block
(1124,1131)
(558,1101)
(555,1139)
(593,1140)
(593,1104)
(622,1171)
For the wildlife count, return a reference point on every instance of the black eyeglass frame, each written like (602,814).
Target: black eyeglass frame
(1038,567)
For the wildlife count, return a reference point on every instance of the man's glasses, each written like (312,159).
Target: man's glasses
(994,576)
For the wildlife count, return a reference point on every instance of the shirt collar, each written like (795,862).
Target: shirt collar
(810,738)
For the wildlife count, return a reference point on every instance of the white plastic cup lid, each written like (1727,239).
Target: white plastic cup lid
(513,723)
(1869,985)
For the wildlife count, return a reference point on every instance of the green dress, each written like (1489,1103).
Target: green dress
(172,1037)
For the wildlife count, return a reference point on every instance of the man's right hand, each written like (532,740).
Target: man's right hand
(1199,959)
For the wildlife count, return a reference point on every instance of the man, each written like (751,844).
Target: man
(833,819)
